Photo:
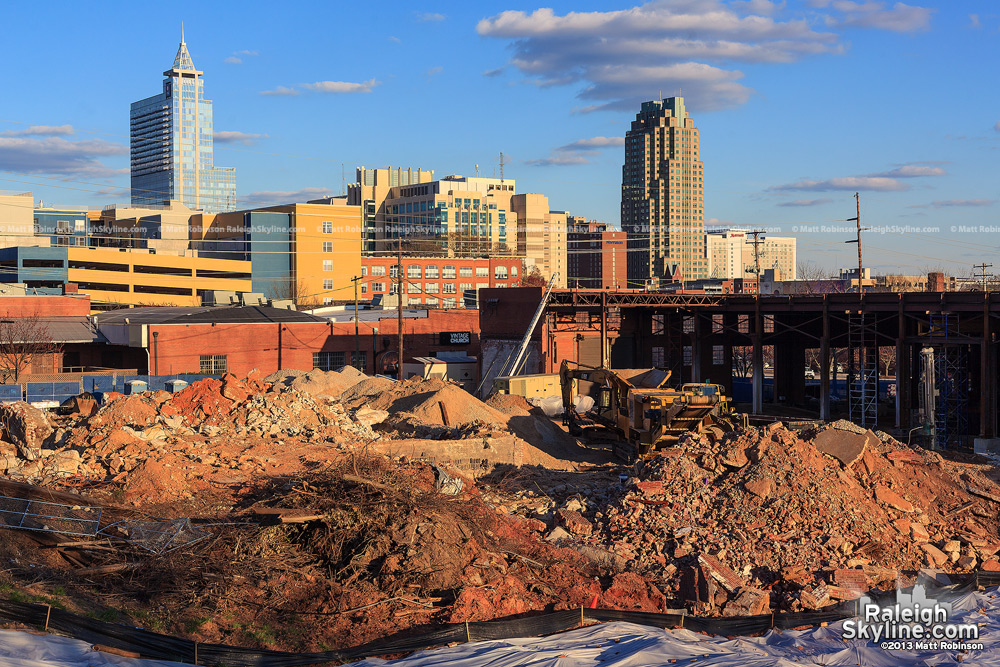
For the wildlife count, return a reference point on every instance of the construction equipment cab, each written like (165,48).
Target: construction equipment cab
(636,407)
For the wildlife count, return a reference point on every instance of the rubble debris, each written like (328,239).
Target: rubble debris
(843,445)
(26,427)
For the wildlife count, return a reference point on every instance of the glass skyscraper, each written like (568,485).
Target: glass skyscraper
(171,145)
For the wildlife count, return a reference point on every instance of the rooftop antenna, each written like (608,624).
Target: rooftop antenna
(501,167)
(477,171)
(182,32)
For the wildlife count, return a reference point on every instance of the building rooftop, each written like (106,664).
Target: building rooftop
(204,315)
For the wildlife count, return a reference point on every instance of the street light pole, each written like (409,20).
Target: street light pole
(357,335)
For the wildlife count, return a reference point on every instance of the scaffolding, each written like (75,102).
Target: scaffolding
(951,380)
(862,369)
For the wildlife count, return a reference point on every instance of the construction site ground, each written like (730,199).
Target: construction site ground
(331,509)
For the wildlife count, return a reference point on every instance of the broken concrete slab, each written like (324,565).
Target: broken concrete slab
(726,577)
(845,446)
(886,495)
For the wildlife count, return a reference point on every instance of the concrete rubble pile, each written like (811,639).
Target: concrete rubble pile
(228,429)
(744,523)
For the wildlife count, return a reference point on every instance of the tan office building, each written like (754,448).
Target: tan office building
(663,195)
(731,254)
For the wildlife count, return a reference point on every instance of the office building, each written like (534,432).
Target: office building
(541,236)
(596,257)
(120,278)
(370,192)
(171,145)
(306,253)
(437,282)
(736,253)
(663,204)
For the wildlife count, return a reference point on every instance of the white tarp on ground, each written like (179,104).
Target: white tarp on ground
(24,649)
(626,644)
(606,645)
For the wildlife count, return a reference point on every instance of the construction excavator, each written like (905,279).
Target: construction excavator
(636,408)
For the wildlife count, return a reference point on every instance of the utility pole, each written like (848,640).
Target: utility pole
(756,254)
(857,200)
(399,304)
(982,273)
(357,334)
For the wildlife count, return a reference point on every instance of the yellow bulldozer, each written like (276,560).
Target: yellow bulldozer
(635,407)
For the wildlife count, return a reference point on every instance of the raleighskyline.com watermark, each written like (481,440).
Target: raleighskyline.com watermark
(915,623)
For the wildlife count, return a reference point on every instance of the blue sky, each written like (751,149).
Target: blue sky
(799,103)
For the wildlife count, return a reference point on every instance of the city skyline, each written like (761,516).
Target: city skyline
(798,106)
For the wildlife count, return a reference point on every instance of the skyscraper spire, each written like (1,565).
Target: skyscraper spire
(182,61)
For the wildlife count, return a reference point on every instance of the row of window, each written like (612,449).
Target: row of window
(431,271)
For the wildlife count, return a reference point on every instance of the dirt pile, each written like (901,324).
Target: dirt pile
(765,520)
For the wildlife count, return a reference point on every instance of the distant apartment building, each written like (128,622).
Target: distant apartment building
(17,224)
(117,278)
(172,155)
(160,229)
(437,282)
(370,192)
(541,236)
(736,253)
(596,258)
(663,195)
(307,253)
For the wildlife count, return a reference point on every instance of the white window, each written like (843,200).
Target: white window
(378,270)
(327,227)
(414,288)
(328,301)
(413,271)
(449,288)
(465,272)
(364,288)
(378,287)
(80,225)
(364,271)
(482,271)
(499,284)
(450,303)
(328,265)
(448,272)
(431,288)
(513,272)
(431,271)
(412,302)
(328,283)
(394,271)
(500,272)
(327,246)
(482,285)
(392,288)
(465,286)
(431,302)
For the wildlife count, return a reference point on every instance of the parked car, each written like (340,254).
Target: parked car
(810,373)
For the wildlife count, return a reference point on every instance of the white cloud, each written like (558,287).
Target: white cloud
(54,155)
(341,87)
(974,21)
(435,70)
(900,18)
(234,137)
(883,181)
(281,91)
(393,38)
(430,17)
(911,171)
(494,72)
(997,126)
(807,202)
(592,143)
(237,57)
(577,152)
(286,196)
(957,203)
(682,44)
(559,160)
(876,183)
(40,131)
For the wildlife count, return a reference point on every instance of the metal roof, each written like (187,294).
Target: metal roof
(204,315)
(59,330)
